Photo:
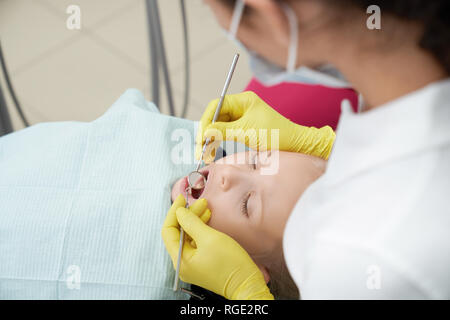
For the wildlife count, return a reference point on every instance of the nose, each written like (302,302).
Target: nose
(228,176)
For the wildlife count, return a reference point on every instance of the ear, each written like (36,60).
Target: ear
(265,273)
(273,14)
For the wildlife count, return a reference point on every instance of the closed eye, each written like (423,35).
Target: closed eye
(244,205)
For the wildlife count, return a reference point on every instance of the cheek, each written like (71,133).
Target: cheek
(176,189)
(220,217)
(224,218)
(277,213)
(239,228)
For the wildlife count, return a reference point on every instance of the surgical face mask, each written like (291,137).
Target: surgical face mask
(270,74)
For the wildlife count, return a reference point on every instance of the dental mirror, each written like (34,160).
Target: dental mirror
(196,180)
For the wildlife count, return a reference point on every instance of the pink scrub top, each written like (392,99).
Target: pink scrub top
(307,105)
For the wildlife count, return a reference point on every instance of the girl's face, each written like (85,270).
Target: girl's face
(251,195)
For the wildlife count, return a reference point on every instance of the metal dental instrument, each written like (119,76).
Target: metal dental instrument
(195,176)
(196,179)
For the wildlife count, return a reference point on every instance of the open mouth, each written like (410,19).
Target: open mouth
(196,193)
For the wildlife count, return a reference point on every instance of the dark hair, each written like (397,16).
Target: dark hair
(433,14)
(281,284)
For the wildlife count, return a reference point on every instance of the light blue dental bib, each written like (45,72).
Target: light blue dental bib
(82,205)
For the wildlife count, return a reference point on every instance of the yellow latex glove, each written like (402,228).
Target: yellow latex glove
(216,262)
(199,207)
(248,111)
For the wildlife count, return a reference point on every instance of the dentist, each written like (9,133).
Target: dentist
(375,225)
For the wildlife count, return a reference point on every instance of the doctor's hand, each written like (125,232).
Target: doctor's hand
(212,260)
(246,113)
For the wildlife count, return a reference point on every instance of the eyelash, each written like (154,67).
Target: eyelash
(244,205)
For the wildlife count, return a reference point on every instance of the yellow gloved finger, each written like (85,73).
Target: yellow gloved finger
(240,131)
(170,231)
(192,224)
(215,138)
(190,245)
(210,151)
(232,109)
(205,218)
(186,218)
(171,219)
(313,141)
(200,209)
(199,206)
(224,130)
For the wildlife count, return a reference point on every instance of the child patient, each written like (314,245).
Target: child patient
(251,196)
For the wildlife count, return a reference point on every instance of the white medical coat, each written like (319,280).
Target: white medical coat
(376,225)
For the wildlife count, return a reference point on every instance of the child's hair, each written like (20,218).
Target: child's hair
(281,284)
